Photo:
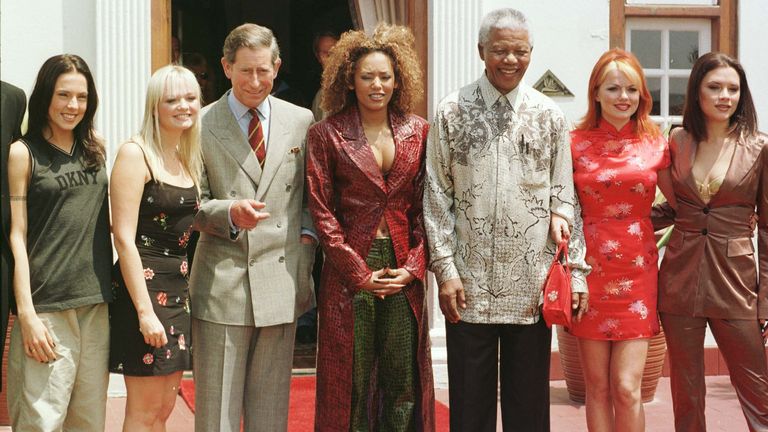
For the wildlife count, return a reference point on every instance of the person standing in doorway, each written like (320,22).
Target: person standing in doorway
(250,279)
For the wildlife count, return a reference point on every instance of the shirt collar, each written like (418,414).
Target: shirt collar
(240,110)
(491,94)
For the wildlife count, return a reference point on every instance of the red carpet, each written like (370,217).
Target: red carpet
(302,406)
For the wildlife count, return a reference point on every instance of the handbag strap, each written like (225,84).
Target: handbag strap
(562,249)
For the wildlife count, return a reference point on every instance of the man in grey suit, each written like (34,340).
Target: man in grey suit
(13,103)
(251,274)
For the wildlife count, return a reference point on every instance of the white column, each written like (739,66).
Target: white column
(453,57)
(453,63)
(123,64)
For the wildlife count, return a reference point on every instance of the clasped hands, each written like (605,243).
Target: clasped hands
(387,281)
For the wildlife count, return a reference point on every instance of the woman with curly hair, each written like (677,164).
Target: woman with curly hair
(365,177)
(57,180)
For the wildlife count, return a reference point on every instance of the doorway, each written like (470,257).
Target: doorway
(202,25)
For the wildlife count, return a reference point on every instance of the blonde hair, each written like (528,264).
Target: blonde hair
(169,78)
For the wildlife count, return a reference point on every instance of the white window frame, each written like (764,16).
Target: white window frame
(672,2)
(701,25)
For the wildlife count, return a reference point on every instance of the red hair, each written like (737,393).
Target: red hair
(626,63)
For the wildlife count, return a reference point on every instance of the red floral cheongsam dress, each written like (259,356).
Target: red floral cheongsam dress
(615,178)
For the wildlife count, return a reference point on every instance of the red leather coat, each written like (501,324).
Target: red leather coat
(348,196)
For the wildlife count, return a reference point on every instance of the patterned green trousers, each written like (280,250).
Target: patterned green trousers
(384,376)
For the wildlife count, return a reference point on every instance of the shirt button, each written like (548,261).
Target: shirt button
(704,231)
(287,187)
(281,259)
(232,193)
(252,262)
(706,210)
(279,225)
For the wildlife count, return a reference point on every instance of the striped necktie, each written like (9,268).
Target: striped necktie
(256,138)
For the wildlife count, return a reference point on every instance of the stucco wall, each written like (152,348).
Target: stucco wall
(752,39)
(568,39)
(33,31)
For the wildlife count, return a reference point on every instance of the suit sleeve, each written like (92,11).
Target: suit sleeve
(416,263)
(762,232)
(321,165)
(213,215)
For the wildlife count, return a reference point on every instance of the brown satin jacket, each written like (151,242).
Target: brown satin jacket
(348,196)
(708,269)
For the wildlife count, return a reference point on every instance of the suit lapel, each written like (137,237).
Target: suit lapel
(741,163)
(232,139)
(279,131)
(356,146)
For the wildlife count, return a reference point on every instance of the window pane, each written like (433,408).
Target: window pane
(677,95)
(646,45)
(683,49)
(654,86)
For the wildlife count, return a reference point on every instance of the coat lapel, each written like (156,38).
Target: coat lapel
(405,139)
(279,132)
(232,139)
(356,146)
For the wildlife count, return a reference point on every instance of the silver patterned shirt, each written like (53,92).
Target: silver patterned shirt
(497,165)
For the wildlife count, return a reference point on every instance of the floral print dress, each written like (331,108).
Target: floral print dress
(615,179)
(162,234)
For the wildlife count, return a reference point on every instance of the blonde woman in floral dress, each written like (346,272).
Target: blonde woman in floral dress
(617,154)
(154,194)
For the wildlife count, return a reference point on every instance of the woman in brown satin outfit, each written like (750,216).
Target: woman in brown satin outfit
(708,275)
(365,177)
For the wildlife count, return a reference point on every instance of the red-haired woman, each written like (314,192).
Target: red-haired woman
(618,156)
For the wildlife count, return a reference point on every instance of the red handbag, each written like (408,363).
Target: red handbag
(557,290)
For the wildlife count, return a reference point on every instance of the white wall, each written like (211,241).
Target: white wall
(752,40)
(113,37)
(568,39)
(33,31)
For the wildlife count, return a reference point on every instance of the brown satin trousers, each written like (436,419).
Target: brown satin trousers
(740,343)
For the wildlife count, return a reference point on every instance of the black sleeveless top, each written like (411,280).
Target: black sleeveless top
(68,239)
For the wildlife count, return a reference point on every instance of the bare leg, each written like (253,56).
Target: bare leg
(627,364)
(150,402)
(596,361)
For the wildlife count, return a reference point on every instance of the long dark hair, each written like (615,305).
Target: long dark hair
(40,100)
(743,122)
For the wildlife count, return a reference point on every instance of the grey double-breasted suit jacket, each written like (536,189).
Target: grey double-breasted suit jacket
(260,277)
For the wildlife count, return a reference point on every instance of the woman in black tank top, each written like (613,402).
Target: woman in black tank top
(154,191)
(61,246)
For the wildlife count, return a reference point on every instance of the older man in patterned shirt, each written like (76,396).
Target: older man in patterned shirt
(499,196)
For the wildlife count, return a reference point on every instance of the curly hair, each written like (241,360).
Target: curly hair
(397,42)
